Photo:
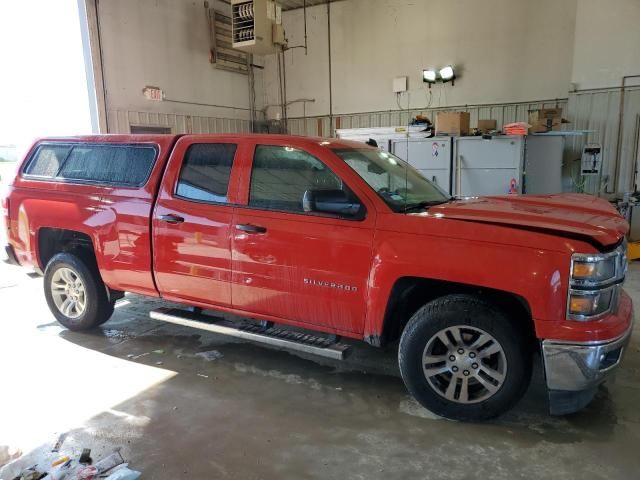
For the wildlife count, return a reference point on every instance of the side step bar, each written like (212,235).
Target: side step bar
(274,336)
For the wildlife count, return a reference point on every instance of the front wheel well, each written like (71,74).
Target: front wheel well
(409,294)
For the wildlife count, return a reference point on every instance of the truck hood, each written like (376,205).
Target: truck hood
(567,214)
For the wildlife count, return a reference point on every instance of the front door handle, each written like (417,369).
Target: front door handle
(250,228)
(171,218)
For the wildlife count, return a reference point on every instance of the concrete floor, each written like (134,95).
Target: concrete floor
(259,413)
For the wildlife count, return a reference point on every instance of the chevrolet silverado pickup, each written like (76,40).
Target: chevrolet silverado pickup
(312,240)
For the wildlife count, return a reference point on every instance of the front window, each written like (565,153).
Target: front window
(400,185)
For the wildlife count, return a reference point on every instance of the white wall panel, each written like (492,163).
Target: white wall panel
(122,120)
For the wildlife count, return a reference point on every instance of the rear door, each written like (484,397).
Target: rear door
(192,221)
(306,268)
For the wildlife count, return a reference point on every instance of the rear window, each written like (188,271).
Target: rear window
(127,165)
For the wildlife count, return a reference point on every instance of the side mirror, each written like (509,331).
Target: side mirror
(330,201)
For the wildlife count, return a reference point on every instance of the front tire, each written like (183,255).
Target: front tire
(75,293)
(464,359)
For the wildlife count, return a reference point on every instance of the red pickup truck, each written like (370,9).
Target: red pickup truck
(297,234)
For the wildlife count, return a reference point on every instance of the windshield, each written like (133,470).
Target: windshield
(401,186)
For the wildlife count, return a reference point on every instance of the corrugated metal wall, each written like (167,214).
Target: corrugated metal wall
(120,121)
(502,113)
(599,110)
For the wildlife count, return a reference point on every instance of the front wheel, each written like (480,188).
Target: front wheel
(75,293)
(463,359)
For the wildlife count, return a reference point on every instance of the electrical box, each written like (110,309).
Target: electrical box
(591,159)
(400,84)
(252,26)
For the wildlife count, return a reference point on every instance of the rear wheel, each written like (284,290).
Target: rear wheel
(462,358)
(75,293)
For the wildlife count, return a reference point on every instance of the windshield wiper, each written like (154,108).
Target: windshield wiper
(425,205)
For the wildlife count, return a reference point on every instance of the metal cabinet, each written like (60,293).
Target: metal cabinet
(475,166)
(431,156)
(508,164)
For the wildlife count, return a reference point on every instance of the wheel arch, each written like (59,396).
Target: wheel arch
(58,240)
(409,294)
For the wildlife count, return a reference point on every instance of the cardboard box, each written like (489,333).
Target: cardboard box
(453,123)
(545,120)
(487,125)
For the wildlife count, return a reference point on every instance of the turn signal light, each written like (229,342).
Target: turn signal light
(583,270)
(583,305)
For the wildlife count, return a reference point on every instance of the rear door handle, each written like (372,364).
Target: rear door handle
(171,218)
(250,228)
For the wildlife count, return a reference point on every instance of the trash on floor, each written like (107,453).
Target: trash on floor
(124,473)
(111,467)
(85,458)
(210,356)
(31,473)
(109,462)
(60,461)
(59,442)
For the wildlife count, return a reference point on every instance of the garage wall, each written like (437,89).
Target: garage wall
(606,43)
(505,51)
(167,45)
(606,49)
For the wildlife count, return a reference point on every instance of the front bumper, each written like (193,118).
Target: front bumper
(573,370)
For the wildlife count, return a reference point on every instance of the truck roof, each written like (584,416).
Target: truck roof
(169,138)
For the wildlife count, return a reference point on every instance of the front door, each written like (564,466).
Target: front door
(192,221)
(297,265)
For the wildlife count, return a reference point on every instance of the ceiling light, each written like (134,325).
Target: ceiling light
(447,73)
(429,76)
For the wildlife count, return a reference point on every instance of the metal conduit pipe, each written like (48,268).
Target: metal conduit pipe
(616,177)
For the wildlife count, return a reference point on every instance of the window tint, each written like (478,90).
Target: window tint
(122,165)
(205,172)
(108,164)
(281,176)
(47,160)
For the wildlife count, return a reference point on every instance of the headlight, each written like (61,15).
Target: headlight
(594,283)
(594,270)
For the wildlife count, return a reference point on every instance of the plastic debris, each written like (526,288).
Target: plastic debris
(59,442)
(210,356)
(203,376)
(86,473)
(140,356)
(109,462)
(158,363)
(60,461)
(85,457)
(159,352)
(30,473)
(124,473)
(60,473)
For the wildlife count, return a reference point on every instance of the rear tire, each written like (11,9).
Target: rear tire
(464,359)
(75,292)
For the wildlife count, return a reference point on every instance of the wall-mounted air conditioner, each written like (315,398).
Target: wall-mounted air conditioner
(253,23)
